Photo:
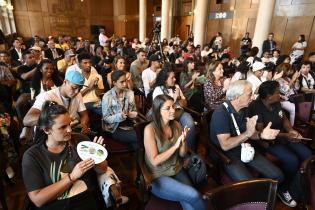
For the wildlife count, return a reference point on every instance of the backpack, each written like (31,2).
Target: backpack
(196,169)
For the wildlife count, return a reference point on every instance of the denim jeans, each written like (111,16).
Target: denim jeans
(95,107)
(237,169)
(126,137)
(290,154)
(178,188)
(187,120)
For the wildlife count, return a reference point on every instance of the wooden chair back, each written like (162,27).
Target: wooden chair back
(256,194)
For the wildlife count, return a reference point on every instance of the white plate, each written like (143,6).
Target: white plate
(89,149)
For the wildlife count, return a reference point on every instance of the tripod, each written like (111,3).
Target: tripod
(156,40)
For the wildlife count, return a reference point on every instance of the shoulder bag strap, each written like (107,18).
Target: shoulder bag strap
(233,118)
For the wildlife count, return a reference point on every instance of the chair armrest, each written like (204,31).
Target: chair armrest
(147,180)
(225,159)
(142,116)
(192,112)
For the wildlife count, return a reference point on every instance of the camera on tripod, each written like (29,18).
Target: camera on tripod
(157,28)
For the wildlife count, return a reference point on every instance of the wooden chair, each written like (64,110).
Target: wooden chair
(308,180)
(258,194)
(145,180)
(213,151)
(113,147)
(304,106)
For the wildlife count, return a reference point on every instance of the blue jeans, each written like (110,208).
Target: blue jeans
(237,169)
(178,188)
(126,137)
(95,107)
(187,120)
(290,155)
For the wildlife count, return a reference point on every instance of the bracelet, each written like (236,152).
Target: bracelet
(72,181)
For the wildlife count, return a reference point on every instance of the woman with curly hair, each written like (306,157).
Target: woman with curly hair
(45,78)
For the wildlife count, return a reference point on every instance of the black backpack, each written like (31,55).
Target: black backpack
(196,169)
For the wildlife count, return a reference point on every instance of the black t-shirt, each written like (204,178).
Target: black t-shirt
(42,168)
(26,84)
(221,123)
(265,116)
(246,42)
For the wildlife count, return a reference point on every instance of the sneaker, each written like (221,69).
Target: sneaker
(286,198)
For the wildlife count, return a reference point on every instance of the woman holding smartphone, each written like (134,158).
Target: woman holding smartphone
(165,146)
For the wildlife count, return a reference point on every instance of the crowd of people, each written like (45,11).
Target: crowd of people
(50,87)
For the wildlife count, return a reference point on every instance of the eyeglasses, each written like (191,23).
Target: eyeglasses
(168,108)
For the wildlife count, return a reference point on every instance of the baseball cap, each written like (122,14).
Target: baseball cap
(154,57)
(108,60)
(69,53)
(258,66)
(75,77)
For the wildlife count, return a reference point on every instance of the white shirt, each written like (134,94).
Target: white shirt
(102,39)
(308,81)
(298,53)
(41,90)
(136,46)
(273,60)
(205,53)
(147,76)
(159,91)
(76,104)
(19,52)
(75,67)
(91,95)
(255,82)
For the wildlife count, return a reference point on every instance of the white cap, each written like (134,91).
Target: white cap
(258,66)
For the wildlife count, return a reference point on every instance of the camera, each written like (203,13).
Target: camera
(157,27)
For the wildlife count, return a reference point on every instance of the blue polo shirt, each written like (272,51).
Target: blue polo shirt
(221,123)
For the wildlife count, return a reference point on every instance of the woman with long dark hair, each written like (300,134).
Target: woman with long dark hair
(119,63)
(45,78)
(165,146)
(188,83)
(165,85)
(53,174)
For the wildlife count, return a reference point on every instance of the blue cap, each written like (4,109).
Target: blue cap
(75,77)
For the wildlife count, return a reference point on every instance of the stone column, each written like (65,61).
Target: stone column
(171,20)
(263,21)
(142,19)
(165,19)
(200,21)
